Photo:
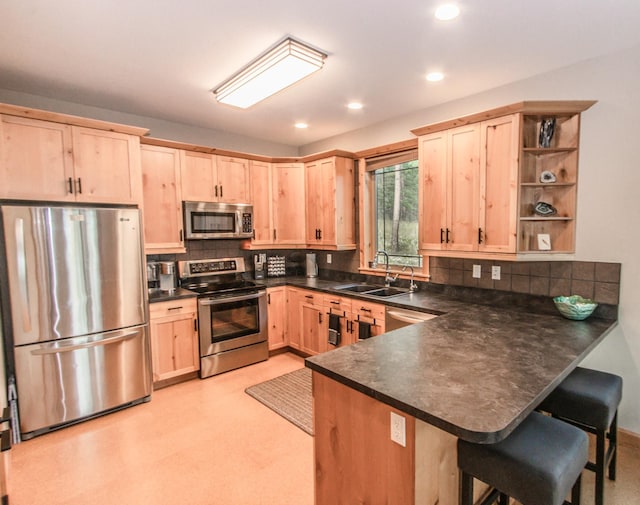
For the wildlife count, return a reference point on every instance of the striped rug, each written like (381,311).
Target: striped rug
(288,395)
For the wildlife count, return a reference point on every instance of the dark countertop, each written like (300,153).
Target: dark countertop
(476,371)
(164,296)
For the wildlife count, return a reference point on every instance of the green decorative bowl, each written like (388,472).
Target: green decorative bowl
(575,307)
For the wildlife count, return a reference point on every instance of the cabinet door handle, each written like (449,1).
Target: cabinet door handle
(181,236)
(269,298)
(442,235)
(479,235)
(274,234)
(447,235)
(320,317)
(195,324)
(220,190)
(320,234)
(79,186)
(216,190)
(70,182)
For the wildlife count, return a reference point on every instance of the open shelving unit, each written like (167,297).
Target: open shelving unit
(552,233)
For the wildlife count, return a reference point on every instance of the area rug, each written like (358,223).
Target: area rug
(288,395)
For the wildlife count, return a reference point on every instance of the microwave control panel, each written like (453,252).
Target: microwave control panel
(247,222)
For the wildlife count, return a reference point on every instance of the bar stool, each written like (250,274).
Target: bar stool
(589,399)
(539,463)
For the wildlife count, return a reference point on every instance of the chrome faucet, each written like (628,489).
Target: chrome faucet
(412,285)
(388,278)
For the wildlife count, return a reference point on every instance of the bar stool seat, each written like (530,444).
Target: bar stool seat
(539,463)
(589,399)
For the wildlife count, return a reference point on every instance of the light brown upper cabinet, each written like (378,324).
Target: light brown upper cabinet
(55,161)
(278,196)
(161,189)
(213,178)
(330,195)
(490,189)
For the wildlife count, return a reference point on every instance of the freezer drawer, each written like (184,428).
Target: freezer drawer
(67,380)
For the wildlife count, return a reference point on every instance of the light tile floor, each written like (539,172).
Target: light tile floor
(203,442)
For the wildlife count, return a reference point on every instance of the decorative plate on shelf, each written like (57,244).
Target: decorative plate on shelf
(575,307)
(545,209)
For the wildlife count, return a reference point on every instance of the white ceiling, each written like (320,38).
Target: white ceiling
(162,58)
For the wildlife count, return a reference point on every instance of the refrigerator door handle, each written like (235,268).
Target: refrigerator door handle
(21,263)
(94,343)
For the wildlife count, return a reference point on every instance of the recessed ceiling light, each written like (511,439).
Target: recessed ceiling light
(301,126)
(435,76)
(354,105)
(447,12)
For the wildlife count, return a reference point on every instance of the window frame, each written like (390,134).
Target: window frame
(369,161)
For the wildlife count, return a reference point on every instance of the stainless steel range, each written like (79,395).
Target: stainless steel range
(232,314)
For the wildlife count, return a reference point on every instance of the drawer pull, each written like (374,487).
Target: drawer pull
(175,308)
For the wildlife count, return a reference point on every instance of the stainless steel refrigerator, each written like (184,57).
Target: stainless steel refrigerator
(74,313)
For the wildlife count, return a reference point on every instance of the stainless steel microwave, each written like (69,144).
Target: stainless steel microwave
(207,220)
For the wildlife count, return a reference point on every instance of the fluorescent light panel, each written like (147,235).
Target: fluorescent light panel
(277,69)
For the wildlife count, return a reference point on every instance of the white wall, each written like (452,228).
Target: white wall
(608,191)
(157,127)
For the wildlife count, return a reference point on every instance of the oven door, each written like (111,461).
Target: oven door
(231,321)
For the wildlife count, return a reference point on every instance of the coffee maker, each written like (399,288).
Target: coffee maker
(260,265)
(167,275)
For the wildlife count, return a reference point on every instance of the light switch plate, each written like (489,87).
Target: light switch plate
(476,272)
(398,429)
(495,273)
(329,258)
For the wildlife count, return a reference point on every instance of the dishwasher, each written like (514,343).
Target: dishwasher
(395,318)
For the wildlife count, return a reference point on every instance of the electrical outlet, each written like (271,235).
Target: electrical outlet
(329,259)
(398,429)
(476,272)
(495,273)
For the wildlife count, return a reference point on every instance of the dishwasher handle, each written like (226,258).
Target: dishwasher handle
(401,316)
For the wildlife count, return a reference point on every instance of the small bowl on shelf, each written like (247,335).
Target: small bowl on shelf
(575,307)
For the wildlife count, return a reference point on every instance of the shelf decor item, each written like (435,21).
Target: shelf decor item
(575,307)
(544,209)
(547,127)
(547,177)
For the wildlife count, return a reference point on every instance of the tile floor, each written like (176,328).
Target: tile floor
(203,442)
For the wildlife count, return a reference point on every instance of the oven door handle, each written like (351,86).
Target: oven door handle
(218,301)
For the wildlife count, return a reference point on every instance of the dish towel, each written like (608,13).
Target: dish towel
(364,330)
(334,329)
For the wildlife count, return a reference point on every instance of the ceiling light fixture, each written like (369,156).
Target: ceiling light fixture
(280,67)
(435,76)
(447,12)
(301,126)
(354,105)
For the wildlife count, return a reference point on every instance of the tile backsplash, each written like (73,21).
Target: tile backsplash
(596,280)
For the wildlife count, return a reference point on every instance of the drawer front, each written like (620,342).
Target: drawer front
(337,304)
(368,311)
(172,308)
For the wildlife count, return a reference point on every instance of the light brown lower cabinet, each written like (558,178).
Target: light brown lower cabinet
(351,430)
(277,317)
(309,315)
(174,338)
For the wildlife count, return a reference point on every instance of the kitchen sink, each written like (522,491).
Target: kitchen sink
(384,292)
(371,290)
(356,288)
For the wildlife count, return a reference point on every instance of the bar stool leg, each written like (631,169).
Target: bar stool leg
(466,489)
(576,491)
(504,499)
(601,465)
(613,445)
